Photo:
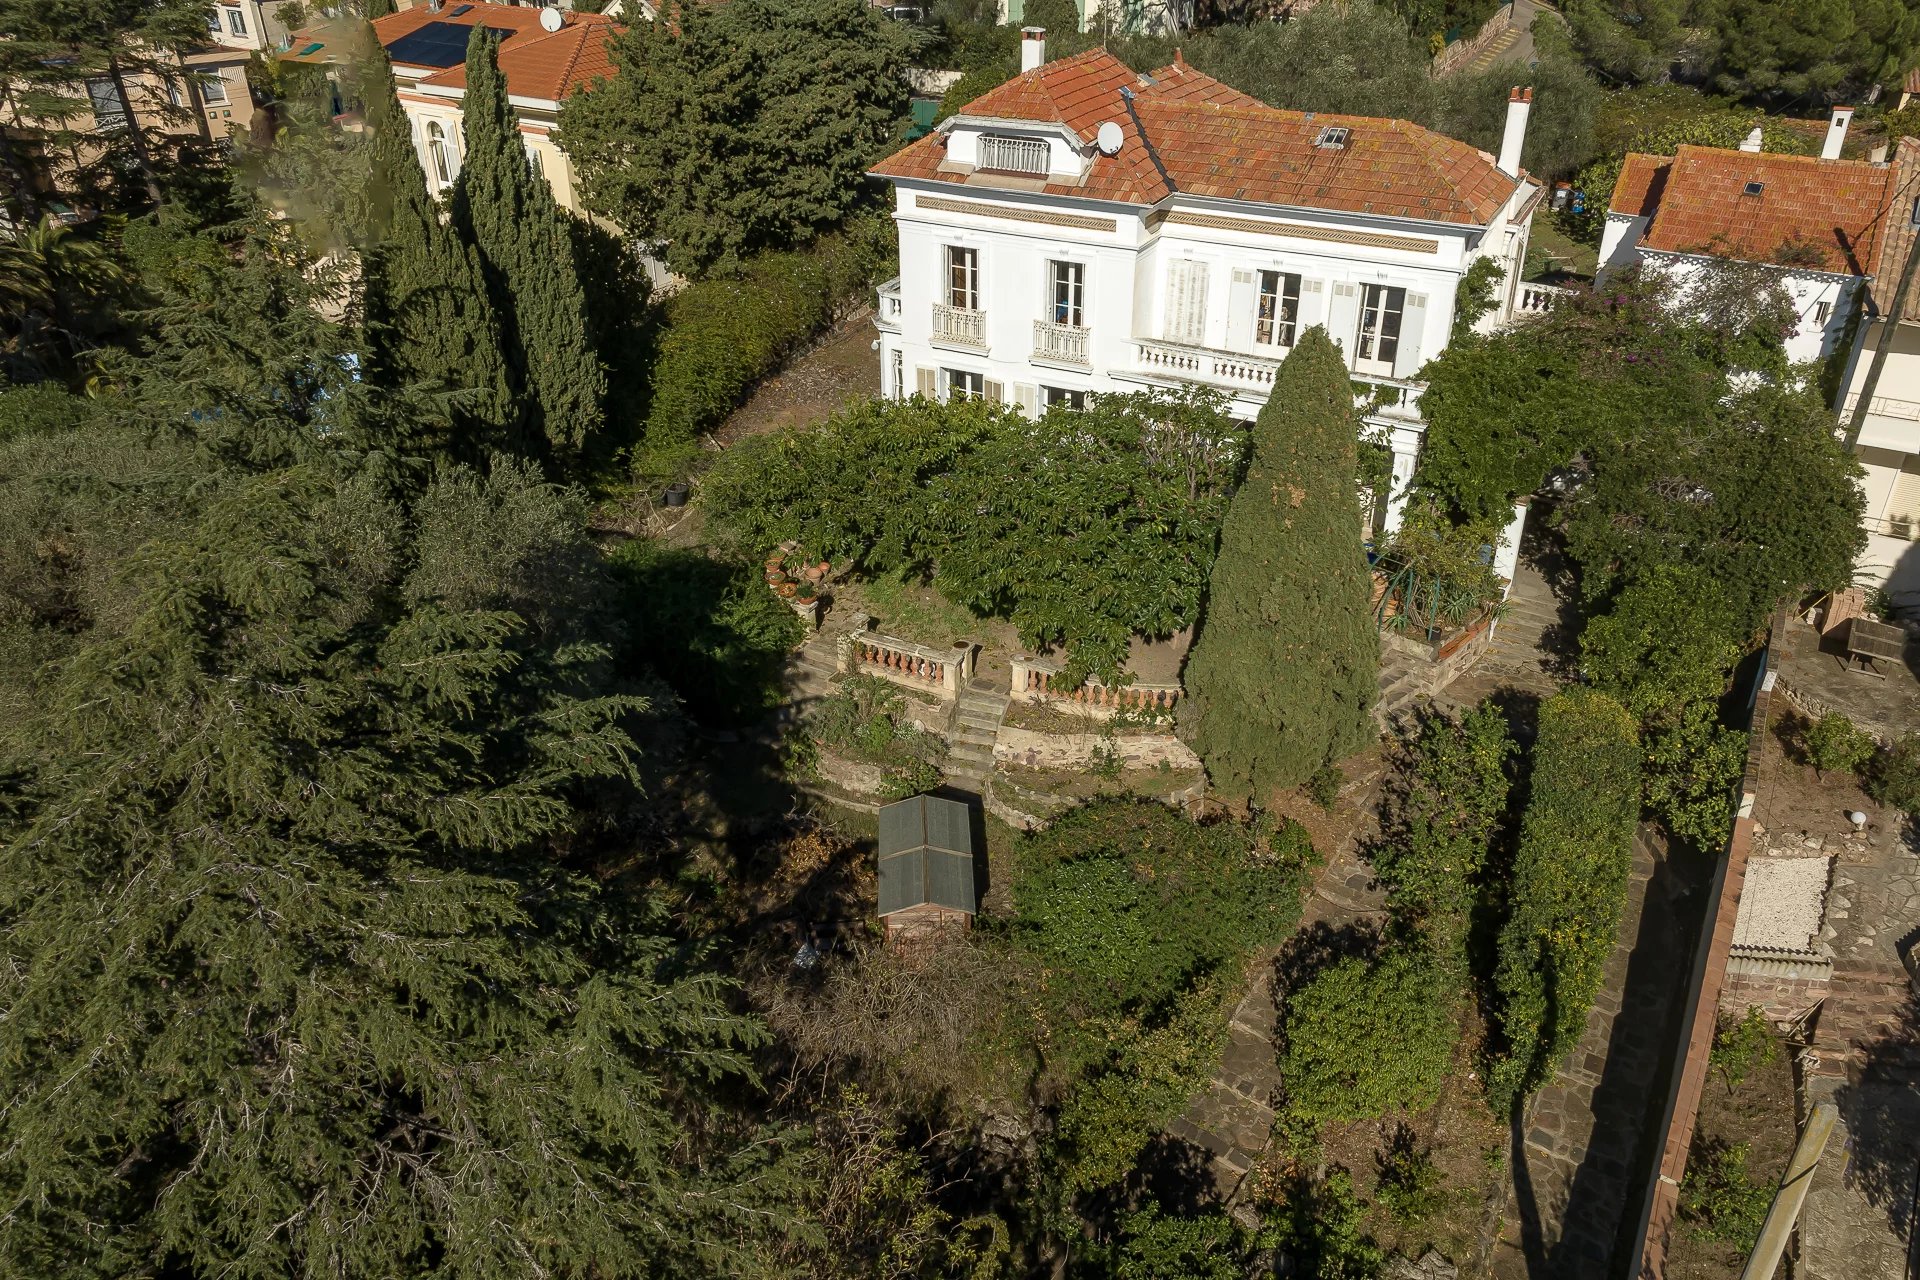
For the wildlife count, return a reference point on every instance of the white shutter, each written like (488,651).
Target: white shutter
(1343,318)
(1313,300)
(1026,398)
(925,381)
(1243,299)
(1413,327)
(993,391)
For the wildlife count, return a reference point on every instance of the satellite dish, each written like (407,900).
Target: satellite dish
(1109,139)
(551,20)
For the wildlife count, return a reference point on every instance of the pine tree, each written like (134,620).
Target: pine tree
(526,252)
(295,983)
(1282,677)
(430,323)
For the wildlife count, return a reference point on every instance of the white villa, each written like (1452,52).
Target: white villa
(1083,229)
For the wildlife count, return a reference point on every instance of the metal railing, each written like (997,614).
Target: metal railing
(961,325)
(1061,343)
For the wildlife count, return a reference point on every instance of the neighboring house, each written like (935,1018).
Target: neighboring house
(1836,233)
(1815,221)
(545,55)
(1085,229)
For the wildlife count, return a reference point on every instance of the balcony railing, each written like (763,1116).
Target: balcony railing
(1533,299)
(962,326)
(886,308)
(1060,343)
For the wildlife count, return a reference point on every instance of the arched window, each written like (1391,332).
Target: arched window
(443,165)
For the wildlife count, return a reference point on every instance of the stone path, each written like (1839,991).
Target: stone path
(1578,1157)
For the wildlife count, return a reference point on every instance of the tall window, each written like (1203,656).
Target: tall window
(236,22)
(1380,309)
(440,153)
(107,113)
(962,385)
(963,278)
(1275,322)
(1069,286)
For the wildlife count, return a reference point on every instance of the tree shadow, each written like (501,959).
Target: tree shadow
(1881,1104)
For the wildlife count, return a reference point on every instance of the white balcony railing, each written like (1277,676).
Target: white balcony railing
(1533,299)
(887,309)
(1060,343)
(962,326)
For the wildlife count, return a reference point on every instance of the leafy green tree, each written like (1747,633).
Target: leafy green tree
(739,127)
(1283,674)
(525,246)
(430,323)
(1366,1036)
(1569,884)
(294,980)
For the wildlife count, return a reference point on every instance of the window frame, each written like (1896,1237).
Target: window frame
(963,277)
(1383,309)
(1276,312)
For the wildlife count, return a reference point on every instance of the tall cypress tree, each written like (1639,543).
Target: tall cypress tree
(1283,674)
(430,323)
(526,250)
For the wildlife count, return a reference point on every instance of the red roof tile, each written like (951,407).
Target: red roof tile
(1823,214)
(1216,141)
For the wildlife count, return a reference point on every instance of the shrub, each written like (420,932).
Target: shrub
(1739,1047)
(1719,1199)
(1833,743)
(1893,776)
(1365,1036)
(723,335)
(1570,884)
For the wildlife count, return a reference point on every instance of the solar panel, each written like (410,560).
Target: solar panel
(437,44)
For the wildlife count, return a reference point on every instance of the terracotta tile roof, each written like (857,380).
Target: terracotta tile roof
(1642,178)
(1823,214)
(536,63)
(1216,141)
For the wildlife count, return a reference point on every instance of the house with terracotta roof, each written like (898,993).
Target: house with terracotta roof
(545,55)
(1084,229)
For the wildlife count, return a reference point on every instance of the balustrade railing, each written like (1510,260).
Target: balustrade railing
(961,325)
(1060,343)
(1037,680)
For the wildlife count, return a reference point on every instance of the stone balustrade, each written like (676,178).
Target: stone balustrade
(940,672)
(1036,680)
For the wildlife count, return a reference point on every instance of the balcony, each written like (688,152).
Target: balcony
(960,327)
(887,310)
(1156,361)
(1060,344)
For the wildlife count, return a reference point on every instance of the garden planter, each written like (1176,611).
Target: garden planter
(676,494)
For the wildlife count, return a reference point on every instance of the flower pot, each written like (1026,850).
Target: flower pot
(676,494)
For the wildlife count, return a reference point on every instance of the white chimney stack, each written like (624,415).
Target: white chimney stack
(1752,140)
(1519,103)
(1836,133)
(1033,47)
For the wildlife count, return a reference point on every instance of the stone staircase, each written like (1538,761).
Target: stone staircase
(976,726)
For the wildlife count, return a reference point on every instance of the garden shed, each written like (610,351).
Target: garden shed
(926,866)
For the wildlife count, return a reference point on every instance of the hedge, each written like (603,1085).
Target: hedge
(723,334)
(1569,884)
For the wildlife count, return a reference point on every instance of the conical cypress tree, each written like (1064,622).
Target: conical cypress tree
(526,251)
(1284,671)
(430,323)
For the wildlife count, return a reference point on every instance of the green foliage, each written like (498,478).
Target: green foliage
(723,335)
(1739,1047)
(1893,777)
(1443,814)
(1283,673)
(1720,1200)
(739,128)
(1569,884)
(1128,901)
(1833,744)
(1366,1036)
(1084,528)
(709,627)
(866,718)
(524,243)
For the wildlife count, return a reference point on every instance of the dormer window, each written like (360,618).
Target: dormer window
(1003,154)
(1332,138)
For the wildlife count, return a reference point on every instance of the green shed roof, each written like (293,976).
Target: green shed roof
(926,855)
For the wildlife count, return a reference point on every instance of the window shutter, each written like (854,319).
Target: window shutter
(1027,399)
(924,382)
(1413,327)
(1243,298)
(1343,317)
(993,391)
(1313,303)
